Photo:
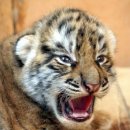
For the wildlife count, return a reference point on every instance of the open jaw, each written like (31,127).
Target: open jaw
(78,109)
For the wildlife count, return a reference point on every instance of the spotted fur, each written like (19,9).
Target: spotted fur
(57,56)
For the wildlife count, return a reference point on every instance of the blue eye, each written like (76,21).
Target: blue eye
(65,59)
(101,59)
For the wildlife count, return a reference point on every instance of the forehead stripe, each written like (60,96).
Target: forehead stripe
(104,47)
(64,22)
(53,18)
(69,30)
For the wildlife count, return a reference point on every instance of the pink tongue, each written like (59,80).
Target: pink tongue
(81,104)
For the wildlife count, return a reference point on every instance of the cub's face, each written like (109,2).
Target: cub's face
(65,64)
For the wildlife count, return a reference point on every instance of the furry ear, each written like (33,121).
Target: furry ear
(109,38)
(23,48)
(112,41)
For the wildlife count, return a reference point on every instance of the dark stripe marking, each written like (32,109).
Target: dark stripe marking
(100,38)
(104,47)
(81,32)
(105,89)
(48,59)
(19,62)
(104,82)
(52,67)
(64,22)
(59,45)
(74,90)
(79,38)
(72,10)
(68,80)
(69,30)
(45,49)
(92,43)
(53,18)
(88,18)
(70,46)
(76,86)
(78,17)
(78,47)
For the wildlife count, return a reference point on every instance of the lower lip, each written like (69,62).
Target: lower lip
(80,119)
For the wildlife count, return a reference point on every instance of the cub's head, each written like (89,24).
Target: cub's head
(65,64)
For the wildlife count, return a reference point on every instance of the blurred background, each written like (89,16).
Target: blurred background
(16,15)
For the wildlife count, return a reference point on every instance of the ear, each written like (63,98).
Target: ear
(112,41)
(23,48)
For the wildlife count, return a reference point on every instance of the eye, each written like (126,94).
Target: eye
(65,59)
(101,59)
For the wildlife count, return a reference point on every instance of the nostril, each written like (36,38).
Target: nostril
(89,88)
(92,87)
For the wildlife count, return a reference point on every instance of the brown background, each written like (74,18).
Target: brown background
(16,15)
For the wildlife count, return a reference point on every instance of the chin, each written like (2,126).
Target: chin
(73,125)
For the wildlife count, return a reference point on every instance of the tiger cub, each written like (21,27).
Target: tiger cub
(52,73)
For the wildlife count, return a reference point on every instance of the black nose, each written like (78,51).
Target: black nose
(91,88)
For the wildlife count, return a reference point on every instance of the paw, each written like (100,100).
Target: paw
(51,127)
(102,121)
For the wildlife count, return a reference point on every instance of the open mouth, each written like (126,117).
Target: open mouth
(78,109)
